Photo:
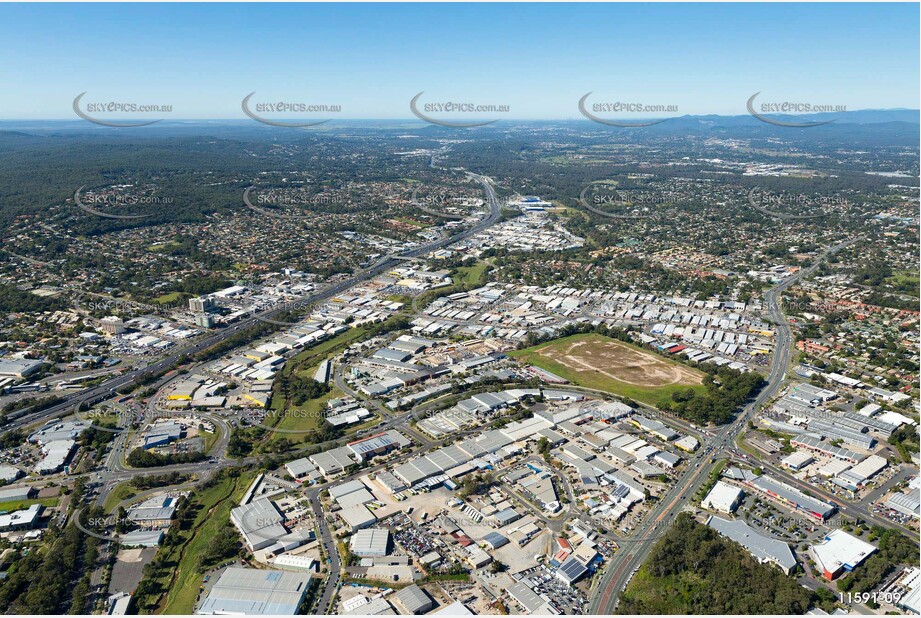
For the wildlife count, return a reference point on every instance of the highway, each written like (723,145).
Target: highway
(108,388)
(635,548)
(113,471)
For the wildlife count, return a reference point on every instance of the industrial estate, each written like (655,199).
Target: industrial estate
(548,368)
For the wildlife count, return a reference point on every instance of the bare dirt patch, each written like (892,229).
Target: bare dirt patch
(619,361)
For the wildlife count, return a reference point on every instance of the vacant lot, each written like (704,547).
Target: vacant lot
(598,362)
(128,569)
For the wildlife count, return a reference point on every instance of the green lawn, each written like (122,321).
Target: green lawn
(466,277)
(102,417)
(412,222)
(120,492)
(305,364)
(18,505)
(172,297)
(307,417)
(318,353)
(185,583)
(209,439)
(906,281)
(471,275)
(312,357)
(163,246)
(309,414)
(652,395)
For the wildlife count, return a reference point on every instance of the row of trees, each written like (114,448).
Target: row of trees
(476,484)
(726,391)
(905,439)
(159,574)
(55,577)
(35,404)
(14,300)
(12,439)
(142,458)
(242,441)
(97,438)
(298,389)
(161,480)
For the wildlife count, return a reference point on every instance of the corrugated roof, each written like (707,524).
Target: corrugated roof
(256,592)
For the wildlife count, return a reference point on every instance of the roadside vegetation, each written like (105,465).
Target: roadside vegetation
(692,570)
(198,540)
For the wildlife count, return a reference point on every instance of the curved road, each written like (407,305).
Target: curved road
(108,388)
(636,547)
(114,471)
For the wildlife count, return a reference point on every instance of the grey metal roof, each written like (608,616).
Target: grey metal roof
(782,490)
(908,503)
(406,346)
(762,547)
(256,591)
(414,599)
(155,509)
(487,399)
(299,467)
(441,460)
(492,441)
(374,444)
(457,455)
(469,405)
(670,458)
(507,515)
(362,496)
(145,538)
(409,473)
(470,446)
(358,516)
(827,447)
(390,354)
(390,481)
(334,460)
(648,423)
(427,466)
(259,521)
(371,542)
(345,488)
(495,539)
(525,595)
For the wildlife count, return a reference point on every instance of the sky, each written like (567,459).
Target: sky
(538,59)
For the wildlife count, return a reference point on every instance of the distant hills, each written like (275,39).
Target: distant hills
(862,116)
(860,128)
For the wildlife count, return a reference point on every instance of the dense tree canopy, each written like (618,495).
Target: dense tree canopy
(692,570)
(141,458)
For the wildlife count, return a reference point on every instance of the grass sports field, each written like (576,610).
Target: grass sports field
(610,365)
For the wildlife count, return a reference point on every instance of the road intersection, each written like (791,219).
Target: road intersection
(717,447)
(639,543)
